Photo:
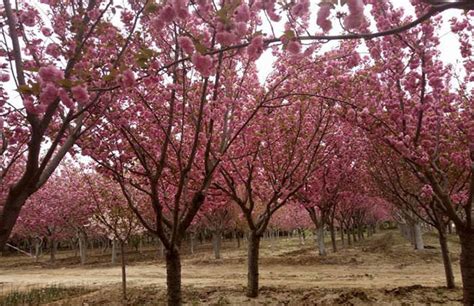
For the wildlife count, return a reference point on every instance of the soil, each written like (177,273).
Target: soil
(381,269)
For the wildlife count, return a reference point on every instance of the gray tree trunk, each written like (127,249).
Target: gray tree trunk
(216,244)
(418,235)
(320,238)
(114,251)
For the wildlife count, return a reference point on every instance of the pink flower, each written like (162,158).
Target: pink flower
(255,49)
(186,44)
(53,50)
(46,31)
(240,28)
(128,78)
(157,23)
(4,77)
(64,96)
(293,47)
(50,74)
(80,94)
(323,17)
(180,8)
(356,14)
(28,103)
(28,18)
(48,94)
(225,38)
(167,14)
(242,13)
(203,63)
(301,8)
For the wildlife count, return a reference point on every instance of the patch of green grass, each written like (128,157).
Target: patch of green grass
(38,296)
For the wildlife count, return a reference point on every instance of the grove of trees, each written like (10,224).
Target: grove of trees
(147,118)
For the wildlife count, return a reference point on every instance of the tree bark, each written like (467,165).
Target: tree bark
(9,215)
(341,229)
(418,235)
(252,262)
(467,265)
(82,248)
(124,272)
(53,248)
(333,238)
(173,277)
(38,244)
(114,251)
(216,244)
(192,238)
(321,245)
(448,268)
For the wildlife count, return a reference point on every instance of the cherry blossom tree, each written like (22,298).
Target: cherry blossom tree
(409,101)
(272,162)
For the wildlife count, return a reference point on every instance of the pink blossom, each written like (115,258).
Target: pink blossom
(293,47)
(225,38)
(255,49)
(203,63)
(426,191)
(240,28)
(46,31)
(128,78)
(48,94)
(356,14)
(186,44)
(180,8)
(242,13)
(301,8)
(50,74)
(53,50)
(323,17)
(167,14)
(28,103)
(28,17)
(157,23)
(64,96)
(80,94)
(4,77)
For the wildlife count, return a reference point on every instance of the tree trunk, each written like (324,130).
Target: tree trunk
(238,240)
(252,262)
(216,244)
(192,238)
(418,235)
(341,229)
(467,265)
(9,215)
(173,277)
(124,272)
(349,241)
(38,244)
(333,238)
(114,251)
(354,236)
(82,248)
(448,268)
(321,245)
(53,248)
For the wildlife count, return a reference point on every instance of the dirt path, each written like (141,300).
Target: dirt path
(284,263)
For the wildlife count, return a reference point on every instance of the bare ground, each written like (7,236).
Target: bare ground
(382,269)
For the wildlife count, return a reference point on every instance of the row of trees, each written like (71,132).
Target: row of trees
(166,100)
